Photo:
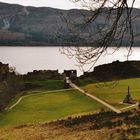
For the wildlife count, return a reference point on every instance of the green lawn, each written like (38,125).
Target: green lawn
(114,95)
(44,106)
(49,106)
(86,81)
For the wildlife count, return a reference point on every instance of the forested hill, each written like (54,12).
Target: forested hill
(21,25)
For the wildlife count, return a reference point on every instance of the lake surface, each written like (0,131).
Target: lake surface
(27,59)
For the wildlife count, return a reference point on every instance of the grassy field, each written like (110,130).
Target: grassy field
(48,106)
(86,81)
(44,106)
(115,93)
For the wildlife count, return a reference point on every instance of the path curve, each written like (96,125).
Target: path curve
(15,103)
(130,106)
(19,100)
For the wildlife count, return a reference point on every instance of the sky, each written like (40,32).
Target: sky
(60,4)
(27,59)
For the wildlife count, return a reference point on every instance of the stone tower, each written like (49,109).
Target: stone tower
(69,75)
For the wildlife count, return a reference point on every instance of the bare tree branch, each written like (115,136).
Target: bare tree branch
(115,26)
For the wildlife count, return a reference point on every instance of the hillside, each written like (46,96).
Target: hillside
(76,116)
(102,126)
(46,111)
(41,105)
(21,25)
(114,92)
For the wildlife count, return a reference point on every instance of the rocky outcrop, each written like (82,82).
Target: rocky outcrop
(9,85)
(4,70)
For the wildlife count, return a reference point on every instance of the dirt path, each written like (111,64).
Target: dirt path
(19,100)
(15,103)
(131,106)
(95,98)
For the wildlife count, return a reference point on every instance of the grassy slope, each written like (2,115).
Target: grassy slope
(81,128)
(38,86)
(46,107)
(86,81)
(49,106)
(114,95)
(46,84)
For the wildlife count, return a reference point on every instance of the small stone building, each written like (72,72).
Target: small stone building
(72,74)
(69,75)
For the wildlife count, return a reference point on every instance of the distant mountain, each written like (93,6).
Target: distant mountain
(21,25)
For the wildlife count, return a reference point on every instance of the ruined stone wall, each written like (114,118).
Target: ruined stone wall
(4,70)
(72,74)
(115,70)
(44,74)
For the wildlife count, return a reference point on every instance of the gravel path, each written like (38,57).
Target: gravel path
(96,98)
